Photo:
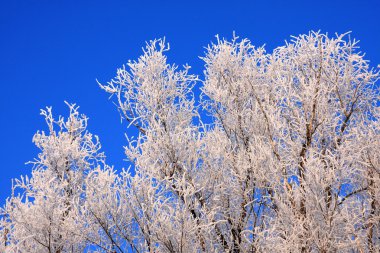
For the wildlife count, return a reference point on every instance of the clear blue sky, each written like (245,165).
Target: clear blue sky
(51,51)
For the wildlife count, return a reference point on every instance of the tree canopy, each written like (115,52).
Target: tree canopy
(278,153)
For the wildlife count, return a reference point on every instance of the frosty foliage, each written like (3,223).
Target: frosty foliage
(288,160)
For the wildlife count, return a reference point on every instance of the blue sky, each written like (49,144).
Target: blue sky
(52,51)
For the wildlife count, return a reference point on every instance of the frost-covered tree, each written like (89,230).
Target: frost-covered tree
(43,212)
(279,153)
